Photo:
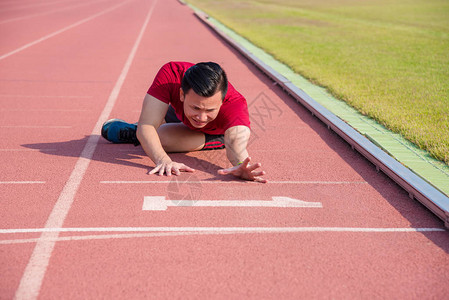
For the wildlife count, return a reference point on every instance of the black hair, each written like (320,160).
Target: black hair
(206,79)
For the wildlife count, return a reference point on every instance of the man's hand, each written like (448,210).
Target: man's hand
(170,167)
(245,171)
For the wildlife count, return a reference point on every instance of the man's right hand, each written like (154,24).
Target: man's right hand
(170,167)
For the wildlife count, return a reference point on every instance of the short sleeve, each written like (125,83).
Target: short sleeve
(165,84)
(234,114)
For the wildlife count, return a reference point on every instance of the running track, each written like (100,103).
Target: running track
(72,218)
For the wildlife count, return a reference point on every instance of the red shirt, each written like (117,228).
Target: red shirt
(166,85)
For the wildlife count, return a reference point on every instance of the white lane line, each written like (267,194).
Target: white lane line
(22,182)
(107,236)
(219,229)
(47,12)
(319,182)
(225,182)
(31,281)
(62,30)
(218,232)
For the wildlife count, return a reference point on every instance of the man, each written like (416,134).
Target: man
(189,108)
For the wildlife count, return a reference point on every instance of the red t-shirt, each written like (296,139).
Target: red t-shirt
(166,85)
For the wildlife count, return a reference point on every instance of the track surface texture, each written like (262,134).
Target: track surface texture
(72,219)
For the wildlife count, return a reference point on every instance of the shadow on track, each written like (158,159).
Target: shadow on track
(131,156)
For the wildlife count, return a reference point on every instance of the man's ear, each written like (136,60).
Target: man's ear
(181,95)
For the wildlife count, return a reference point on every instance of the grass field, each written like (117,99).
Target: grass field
(387,58)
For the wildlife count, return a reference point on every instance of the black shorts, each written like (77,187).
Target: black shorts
(213,142)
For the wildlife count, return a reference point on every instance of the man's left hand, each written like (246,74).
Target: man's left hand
(245,171)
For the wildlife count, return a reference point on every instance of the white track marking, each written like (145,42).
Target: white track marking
(108,236)
(159,203)
(31,281)
(224,182)
(219,229)
(22,182)
(319,182)
(62,30)
(48,12)
(221,232)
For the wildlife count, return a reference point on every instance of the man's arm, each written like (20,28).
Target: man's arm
(151,117)
(236,140)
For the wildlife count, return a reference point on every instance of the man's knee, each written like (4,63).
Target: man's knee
(167,145)
(179,138)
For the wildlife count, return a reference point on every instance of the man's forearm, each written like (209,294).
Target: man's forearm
(236,157)
(151,144)
(236,140)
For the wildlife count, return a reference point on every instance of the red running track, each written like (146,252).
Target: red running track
(72,219)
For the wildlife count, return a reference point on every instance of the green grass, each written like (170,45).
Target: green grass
(389,59)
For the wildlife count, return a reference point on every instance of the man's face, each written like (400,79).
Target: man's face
(200,110)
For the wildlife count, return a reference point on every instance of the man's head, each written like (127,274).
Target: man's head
(203,89)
